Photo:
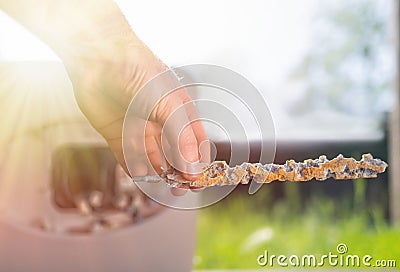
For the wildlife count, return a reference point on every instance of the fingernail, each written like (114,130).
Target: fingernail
(178,191)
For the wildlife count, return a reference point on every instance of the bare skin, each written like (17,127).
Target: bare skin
(107,64)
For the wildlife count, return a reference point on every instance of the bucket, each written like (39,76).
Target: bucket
(41,121)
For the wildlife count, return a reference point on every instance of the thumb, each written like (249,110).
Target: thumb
(179,142)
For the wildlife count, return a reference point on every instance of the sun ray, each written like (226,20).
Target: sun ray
(39,115)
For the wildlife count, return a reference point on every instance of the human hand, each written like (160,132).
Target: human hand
(108,65)
(104,86)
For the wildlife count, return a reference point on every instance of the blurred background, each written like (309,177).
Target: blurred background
(332,62)
(327,70)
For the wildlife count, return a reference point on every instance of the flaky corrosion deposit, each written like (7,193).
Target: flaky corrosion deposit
(219,173)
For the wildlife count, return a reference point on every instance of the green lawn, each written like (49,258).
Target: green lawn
(232,233)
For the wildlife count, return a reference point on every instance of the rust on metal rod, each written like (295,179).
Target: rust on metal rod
(219,173)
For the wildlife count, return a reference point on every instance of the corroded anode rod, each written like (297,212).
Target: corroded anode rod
(219,173)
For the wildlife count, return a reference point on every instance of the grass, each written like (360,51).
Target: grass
(232,233)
